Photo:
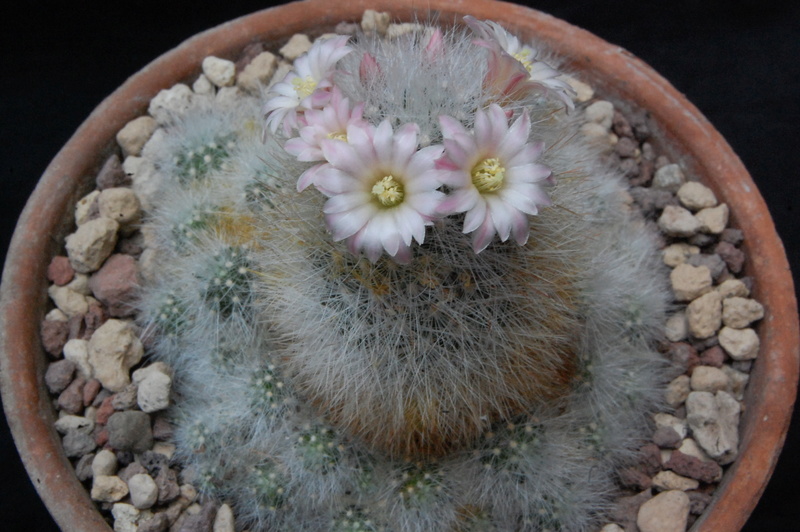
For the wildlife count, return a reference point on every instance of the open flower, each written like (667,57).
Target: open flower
(513,68)
(382,190)
(493,175)
(306,86)
(330,122)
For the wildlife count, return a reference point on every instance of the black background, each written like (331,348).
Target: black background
(737,61)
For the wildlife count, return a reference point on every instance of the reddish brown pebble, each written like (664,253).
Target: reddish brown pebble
(692,467)
(621,126)
(248,54)
(134,468)
(650,458)
(105,410)
(71,399)
(59,375)
(202,521)
(168,488)
(683,355)
(54,335)
(698,501)
(732,236)
(634,478)
(93,319)
(626,147)
(713,356)
(112,175)
(157,523)
(77,327)
(162,429)
(627,508)
(101,436)
(114,284)
(666,438)
(733,256)
(90,391)
(60,271)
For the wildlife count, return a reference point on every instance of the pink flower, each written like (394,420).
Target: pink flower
(382,190)
(306,86)
(330,122)
(493,176)
(513,69)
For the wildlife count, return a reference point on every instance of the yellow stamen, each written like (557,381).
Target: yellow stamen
(338,135)
(304,86)
(524,57)
(488,175)
(389,191)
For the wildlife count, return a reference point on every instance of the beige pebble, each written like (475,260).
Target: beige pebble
(601,112)
(690,282)
(224,521)
(738,312)
(714,421)
(104,464)
(740,344)
(126,517)
(583,91)
(297,45)
(704,315)
(678,390)
(667,480)
(257,73)
(108,488)
(677,327)
(203,86)
(83,207)
(666,512)
(220,72)
(732,288)
(676,254)
(68,301)
(696,196)
(709,379)
(713,220)
(669,177)
(91,244)
(374,21)
(113,350)
(662,419)
(120,204)
(678,222)
(133,136)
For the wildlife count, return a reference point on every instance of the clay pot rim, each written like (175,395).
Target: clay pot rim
(23,294)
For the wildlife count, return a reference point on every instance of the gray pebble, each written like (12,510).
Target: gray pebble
(130,431)
(77,443)
(59,375)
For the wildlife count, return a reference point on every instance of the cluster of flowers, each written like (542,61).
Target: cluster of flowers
(382,189)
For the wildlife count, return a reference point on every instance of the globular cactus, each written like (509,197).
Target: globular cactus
(451,329)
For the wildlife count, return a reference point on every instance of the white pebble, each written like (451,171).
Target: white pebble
(669,177)
(714,420)
(220,72)
(104,464)
(144,491)
(740,344)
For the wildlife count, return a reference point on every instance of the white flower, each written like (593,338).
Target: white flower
(330,122)
(513,67)
(493,176)
(382,190)
(306,86)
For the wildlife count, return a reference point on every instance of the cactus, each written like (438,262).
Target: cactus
(453,328)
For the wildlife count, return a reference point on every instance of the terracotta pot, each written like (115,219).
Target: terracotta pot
(686,134)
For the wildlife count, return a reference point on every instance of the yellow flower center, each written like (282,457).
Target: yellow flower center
(304,86)
(488,175)
(524,57)
(388,191)
(338,135)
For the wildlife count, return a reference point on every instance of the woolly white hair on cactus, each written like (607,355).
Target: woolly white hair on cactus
(418,304)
